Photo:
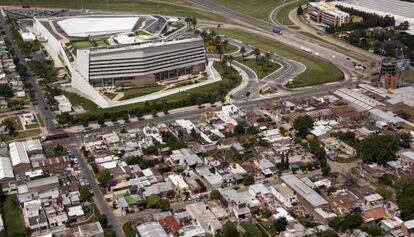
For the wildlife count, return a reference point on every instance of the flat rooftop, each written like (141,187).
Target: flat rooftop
(97,25)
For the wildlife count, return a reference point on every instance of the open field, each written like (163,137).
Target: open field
(260,9)
(81,44)
(408,76)
(260,71)
(24,134)
(318,71)
(137,92)
(13,217)
(137,6)
(17,123)
(283,14)
(228,50)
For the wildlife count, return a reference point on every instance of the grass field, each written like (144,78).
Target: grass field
(24,134)
(137,92)
(318,71)
(17,123)
(283,14)
(260,72)
(408,76)
(229,49)
(128,231)
(81,44)
(164,7)
(257,8)
(13,217)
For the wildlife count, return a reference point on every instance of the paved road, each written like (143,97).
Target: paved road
(98,196)
(325,50)
(45,113)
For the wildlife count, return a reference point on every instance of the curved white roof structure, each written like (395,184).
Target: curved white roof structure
(18,153)
(6,170)
(95,26)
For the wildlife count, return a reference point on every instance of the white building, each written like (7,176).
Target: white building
(389,118)
(284,194)
(141,64)
(326,13)
(151,229)
(204,217)
(178,182)
(63,103)
(96,26)
(6,171)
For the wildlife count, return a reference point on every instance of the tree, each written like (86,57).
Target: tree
(302,125)
(164,204)
(152,200)
(299,11)
(280,224)
(5,91)
(101,120)
(257,54)
(59,150)
(405,200)
(104,176)
(384,192)
(378,148)
(215,195)
(194,22)
(103,220)
(10,127)
(248,180)
(404,139)
(85,194)
(230,230)
(386,179)
(349,221)
(329,234)
(243,51)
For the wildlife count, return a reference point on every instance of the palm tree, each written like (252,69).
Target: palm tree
(257,54)
(242,51)
(224,63)
(187,21)
(268,58)
(220,51)
(230,58)
(225,43)
(203,35)
(194,22)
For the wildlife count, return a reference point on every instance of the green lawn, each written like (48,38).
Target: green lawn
(31,126)
(137,92)
(100,43)
(408,76)
(24,134)
(16,122)
(260,71)
(318,71)
(110,95)
(257,8)
(128,231)
(268,226)
(283,13)
(164,7)
(252,230)
(229,49)
(82,44)
(13,217)
(78,100)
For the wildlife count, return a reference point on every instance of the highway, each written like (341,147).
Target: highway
(325,50)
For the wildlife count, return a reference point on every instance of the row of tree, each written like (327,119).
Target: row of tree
(369,20)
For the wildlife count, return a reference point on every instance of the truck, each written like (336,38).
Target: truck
(306,49)
(277,31)
(56,136)
(55,124)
